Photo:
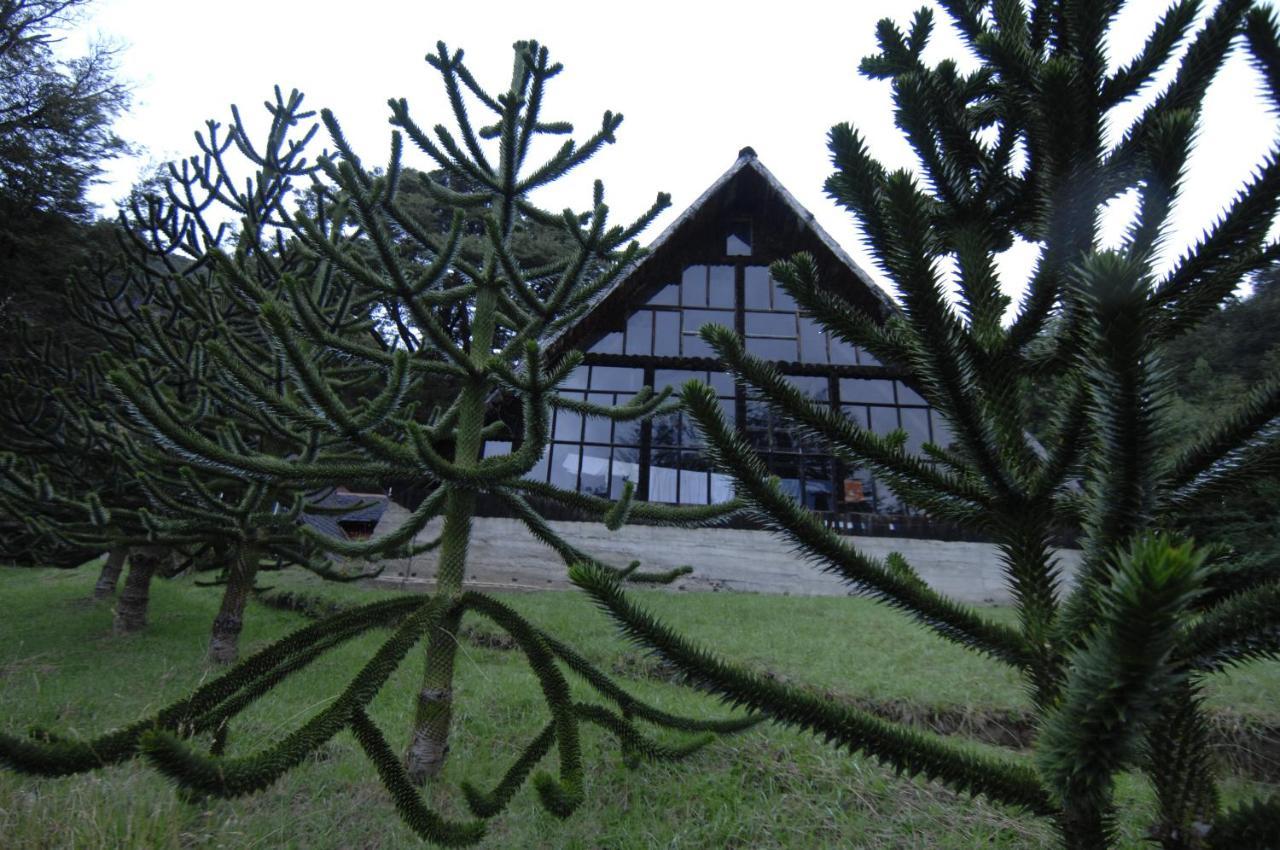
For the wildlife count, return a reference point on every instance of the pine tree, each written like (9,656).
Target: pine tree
(1017,149)
(339,354)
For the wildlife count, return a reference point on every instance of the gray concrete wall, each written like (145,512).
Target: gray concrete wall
(504,554)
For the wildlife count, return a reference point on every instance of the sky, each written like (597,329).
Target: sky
(696,81)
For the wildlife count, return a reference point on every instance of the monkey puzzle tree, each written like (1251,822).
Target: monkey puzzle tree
(1115,665)
(34,427)
(82,472)
(360,366)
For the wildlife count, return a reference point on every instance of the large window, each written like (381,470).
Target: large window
(679,471)
(665,457)
(591,454)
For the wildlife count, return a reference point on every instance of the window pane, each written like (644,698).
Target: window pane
(596,428)
(817,494)
(695,346)
(757,424)
(738,242)
(884,419)
(539,471)
(865,358)
(785,435)
(728,411)
(666,333)
(663,476)
(781,300)
(842,352)
(626,467)
(640,332)
(610,343)
(786,467)
(694,319)
(856,412)
(668,295)
(568,424)
(595,470)
(577,379)
(666,430)
(771,324)
(812,386)
(722,382)
(721,487)
(906,395)
(623,378)
(693,487)
(813,342)
(495,448)
(626,433)
(564,465)
(721,287)
(693,286)
(755,291)
(915,420)
(872,390)
(773,349)
(689,434)
(663,378)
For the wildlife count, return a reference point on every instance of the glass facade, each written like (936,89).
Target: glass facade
(665,457)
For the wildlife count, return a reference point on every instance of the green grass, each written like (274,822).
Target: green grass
(767,788)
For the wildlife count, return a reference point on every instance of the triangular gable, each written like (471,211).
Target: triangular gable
(747,185)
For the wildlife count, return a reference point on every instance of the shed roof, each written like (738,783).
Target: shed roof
(361,507)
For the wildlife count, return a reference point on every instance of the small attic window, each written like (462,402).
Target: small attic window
(738,242)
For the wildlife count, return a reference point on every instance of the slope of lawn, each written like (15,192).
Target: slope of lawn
(766,788)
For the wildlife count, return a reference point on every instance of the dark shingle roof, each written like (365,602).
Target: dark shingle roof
(363,508)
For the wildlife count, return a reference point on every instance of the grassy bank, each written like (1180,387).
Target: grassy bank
(767,788)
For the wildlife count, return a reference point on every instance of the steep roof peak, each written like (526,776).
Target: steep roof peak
(747,161)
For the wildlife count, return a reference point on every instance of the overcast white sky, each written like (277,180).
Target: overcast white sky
(696,81)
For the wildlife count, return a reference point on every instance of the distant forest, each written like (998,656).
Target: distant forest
(1236,348)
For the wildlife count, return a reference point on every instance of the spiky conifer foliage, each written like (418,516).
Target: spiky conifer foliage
(323,356)
(1018,149)
(82,473)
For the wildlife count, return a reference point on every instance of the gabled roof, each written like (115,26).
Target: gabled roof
(747,180)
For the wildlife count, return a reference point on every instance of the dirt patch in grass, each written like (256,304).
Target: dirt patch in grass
(34,664)
(1245,746)
(485,639)
(636,665)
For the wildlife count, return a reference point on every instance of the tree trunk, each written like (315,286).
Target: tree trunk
(224,643)
(131,609)
(429,744)
(110,575)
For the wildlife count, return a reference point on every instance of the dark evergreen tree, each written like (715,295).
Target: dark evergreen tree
(83,474)
(338,357)
(1115,664)
(56,119)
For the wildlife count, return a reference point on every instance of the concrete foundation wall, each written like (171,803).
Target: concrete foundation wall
(504,554)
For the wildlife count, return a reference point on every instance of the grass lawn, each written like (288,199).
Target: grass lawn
(766,788)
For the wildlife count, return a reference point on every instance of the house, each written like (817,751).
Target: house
(711,265)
